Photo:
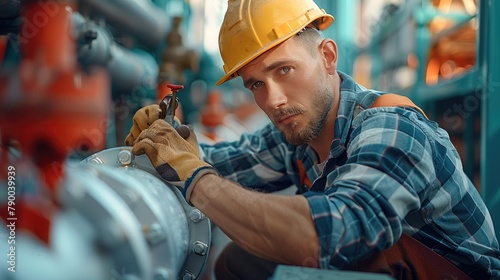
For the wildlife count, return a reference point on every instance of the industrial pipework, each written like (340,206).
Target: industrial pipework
(109,216)
(117,220)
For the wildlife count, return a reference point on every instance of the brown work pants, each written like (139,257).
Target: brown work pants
(407,259)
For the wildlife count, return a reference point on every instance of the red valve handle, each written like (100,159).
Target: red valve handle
(175,88)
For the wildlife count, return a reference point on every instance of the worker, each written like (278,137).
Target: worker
(380,187)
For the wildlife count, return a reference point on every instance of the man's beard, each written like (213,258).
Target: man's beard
(323,100)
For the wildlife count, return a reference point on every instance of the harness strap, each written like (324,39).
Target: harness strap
(395,100)
(305,182)
(409,259)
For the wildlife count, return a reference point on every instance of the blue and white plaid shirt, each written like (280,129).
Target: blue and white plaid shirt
(390,170)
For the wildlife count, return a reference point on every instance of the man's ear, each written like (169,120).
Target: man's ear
(328,48)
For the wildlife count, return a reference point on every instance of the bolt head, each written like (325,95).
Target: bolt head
(125,157)
(200,248)
(195,215)
(188,276)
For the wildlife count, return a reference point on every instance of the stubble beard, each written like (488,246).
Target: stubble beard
(323,100)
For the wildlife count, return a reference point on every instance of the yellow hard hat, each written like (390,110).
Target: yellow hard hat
(251,27)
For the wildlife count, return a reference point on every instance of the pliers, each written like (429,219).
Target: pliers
(169,104)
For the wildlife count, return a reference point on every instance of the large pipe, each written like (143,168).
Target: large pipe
(118,220)
(10,16)
(128,69)
(10,9)
(139,18)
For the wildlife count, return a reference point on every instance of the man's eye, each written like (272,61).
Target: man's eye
(257,84)
(284,70)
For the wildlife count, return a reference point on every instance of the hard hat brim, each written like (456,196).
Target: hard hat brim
(326,19)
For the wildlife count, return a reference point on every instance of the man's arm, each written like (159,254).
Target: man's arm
(274,227)
(278,228)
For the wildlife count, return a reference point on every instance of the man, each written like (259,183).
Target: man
(388,191)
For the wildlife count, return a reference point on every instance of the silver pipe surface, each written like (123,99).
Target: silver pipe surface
(141,19)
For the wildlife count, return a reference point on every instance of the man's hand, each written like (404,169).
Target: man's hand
(143,118)
(176,159)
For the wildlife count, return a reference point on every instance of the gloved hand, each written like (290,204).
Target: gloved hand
(176,159)
(143,118)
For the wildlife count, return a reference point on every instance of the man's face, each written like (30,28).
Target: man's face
(289,85)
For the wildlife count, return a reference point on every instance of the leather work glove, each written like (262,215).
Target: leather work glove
(143,118)
(176,159)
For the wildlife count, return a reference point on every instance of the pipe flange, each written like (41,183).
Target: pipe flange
(199,226)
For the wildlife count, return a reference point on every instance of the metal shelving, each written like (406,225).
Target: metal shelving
(488,62)
(471,98)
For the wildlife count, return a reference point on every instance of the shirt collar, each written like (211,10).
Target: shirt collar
(348,90)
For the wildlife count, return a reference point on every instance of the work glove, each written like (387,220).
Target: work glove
(143,118)
(176,159)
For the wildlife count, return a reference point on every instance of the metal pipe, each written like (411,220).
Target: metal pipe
(141,19)
(129,69)
(118,220)
(10,9)
(10,16)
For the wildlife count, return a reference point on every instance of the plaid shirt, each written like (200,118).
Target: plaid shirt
(389,171)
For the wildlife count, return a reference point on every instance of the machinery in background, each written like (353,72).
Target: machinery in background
(443,55)
(108,216)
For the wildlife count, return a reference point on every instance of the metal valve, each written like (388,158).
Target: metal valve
(169,104)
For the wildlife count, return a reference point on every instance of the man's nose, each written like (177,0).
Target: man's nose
(276,96)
